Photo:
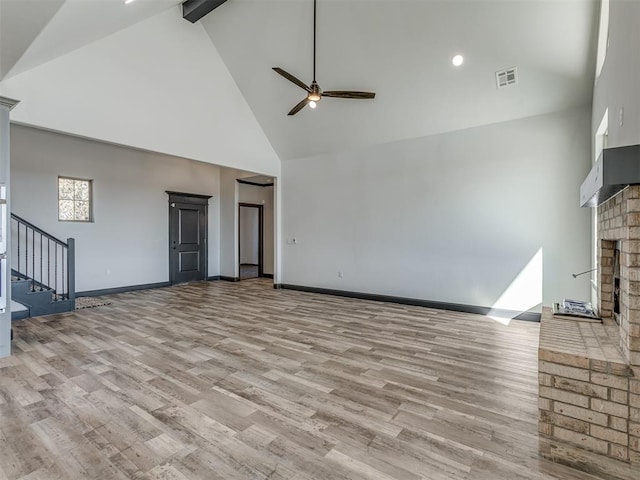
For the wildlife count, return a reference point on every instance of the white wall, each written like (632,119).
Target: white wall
(451,218)
(127,244)
(262,196)
(229,223)
(618,86)
(249,235)
(617,94)
(159,85)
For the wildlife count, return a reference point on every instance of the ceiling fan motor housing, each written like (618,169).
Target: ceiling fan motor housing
(316,94)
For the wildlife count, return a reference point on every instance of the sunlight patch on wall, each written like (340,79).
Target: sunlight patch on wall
(524,293)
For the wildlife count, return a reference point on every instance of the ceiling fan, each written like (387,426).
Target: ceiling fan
(314,93)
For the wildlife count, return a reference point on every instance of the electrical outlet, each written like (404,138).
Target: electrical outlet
(340,275)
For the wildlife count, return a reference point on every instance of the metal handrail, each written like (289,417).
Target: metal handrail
(33,249)
(38,230)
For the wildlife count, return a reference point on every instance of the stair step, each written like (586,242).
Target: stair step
(39,293)
(19,311)
(24,287)
(41,301)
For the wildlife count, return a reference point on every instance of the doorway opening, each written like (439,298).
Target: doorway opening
(250,240)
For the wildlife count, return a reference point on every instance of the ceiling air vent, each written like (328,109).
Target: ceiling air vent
(505,78)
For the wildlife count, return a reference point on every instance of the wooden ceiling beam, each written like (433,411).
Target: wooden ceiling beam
(194,10)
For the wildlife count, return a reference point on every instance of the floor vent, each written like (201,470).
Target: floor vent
(506,78)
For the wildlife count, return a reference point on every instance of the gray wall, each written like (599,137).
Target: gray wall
(467,217)
(127,244)
(229,254)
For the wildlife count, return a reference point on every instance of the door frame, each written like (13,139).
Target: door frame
(260,236)
(193,199)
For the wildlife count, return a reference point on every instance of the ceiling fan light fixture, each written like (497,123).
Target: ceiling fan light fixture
(313,91)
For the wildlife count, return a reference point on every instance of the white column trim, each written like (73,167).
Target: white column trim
(8,102)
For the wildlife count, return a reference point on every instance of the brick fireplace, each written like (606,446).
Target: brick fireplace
(619,290)
(589,372)
(619,231)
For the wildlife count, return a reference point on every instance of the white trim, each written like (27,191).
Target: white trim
(8,102)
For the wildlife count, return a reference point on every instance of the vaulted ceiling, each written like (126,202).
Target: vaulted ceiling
(400,49)
(37,31)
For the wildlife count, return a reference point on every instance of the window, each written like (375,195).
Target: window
(74,200)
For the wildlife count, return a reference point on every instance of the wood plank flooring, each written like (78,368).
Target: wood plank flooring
(240,381)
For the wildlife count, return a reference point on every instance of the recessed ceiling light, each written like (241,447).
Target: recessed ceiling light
(457,60)
(126,2)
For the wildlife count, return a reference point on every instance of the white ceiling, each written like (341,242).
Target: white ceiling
(20,23)
(65,25)
(401,49)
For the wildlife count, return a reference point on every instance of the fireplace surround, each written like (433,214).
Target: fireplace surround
(619,231)
(589,372)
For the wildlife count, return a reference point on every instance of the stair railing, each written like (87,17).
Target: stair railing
(48,262)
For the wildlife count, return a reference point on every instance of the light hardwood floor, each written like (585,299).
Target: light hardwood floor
(240,381)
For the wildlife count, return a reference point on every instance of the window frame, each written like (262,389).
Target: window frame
(90,200)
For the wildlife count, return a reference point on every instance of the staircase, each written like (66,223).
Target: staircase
(42,270)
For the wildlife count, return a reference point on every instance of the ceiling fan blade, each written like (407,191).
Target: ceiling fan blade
(292,79)
(299,106)
(348,94)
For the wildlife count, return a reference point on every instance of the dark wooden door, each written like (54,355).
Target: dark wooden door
(187,238)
